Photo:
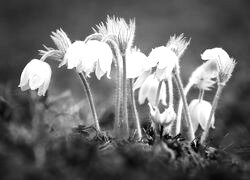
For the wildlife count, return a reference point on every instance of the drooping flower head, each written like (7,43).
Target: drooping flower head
(123,33)
(200,111)
(164,59)
(148,90)
(225,64)
(86,56)
(92,56)
(36,75)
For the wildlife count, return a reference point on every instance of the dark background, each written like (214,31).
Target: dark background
(26,25)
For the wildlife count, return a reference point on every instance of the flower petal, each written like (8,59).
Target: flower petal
(140,80)
(136,63)
(35,81)
(163,93)
(148,90)
(105,57)
(74,54)
(24,76)
(200,111)
(215,54)
(194,114)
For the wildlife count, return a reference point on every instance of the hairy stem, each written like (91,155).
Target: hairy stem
(170,92)
(138,125)
(180,107)
(91,101)
(157,99)
(118,92)
(201,94)
(190,132)
(214,106)
(124,98)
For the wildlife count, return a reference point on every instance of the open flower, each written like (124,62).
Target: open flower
(36,75)
(137,63)
(89,57)
(149,90)
(164,118)
(200,111)
(164,59)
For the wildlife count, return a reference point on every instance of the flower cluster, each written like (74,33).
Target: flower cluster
(152,74)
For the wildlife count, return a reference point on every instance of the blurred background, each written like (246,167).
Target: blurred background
(26,25)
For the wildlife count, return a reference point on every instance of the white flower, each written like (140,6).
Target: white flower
(217,54)
(164,118)
(164,59)
(149,89)
(200,111)
(36,75)
(224,62)
(203,75)
(137,63)
(89,57)
(74,55)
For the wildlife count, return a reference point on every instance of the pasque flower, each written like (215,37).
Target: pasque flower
(164,118)
(36,75)
(164,59)
(92,56)
(225,64)
(203,76)
(200,111)
(149,90)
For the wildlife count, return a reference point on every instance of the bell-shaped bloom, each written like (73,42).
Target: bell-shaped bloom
(199,112)
(74,55)
(164,59)
(93,56)
(224,62)
(149,90)
(137,63)
(36,75)
(165,118)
